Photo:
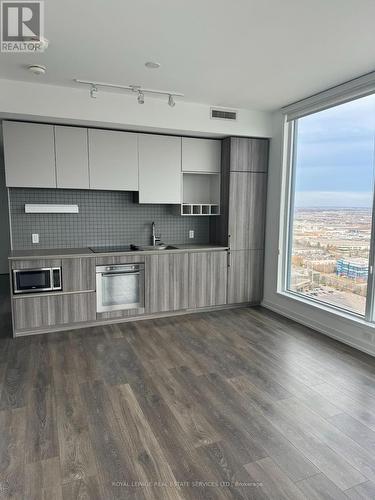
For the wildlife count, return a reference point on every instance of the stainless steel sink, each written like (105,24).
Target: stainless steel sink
(158,247)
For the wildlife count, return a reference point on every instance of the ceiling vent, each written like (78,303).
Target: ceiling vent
(223,114)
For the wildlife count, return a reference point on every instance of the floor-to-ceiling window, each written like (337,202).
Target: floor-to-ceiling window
(331,204)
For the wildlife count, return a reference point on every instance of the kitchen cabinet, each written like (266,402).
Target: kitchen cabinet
(207,279)
(248,154)
(50,310)
(167,282)
(159,169)
(245,276)
(72,161)
(35,263)
(113,160)
(78,274)
(29,155)
(201,155)
(241,224)
(247,210)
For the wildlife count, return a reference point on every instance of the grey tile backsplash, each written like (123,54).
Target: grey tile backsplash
(105,218)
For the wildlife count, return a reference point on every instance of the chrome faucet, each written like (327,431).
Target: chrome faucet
(155,235)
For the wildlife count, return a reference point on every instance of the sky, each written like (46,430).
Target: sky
(335,156)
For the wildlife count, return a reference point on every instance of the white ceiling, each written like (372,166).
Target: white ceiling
(260,54)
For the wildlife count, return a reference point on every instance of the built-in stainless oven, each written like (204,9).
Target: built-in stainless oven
(120,287)
(45,279)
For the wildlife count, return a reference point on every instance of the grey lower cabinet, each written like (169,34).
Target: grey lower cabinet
(78,274)
(35,263)
(53,310)
(167,278)
(207,279)
(245,276)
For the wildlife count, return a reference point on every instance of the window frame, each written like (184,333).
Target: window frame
(287,211)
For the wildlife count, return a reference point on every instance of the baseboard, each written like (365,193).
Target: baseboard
(319,327)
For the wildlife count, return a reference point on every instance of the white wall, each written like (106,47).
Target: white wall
(347,330)
(4,217)
(35,101)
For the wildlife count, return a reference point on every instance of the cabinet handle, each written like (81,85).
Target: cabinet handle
(228,261)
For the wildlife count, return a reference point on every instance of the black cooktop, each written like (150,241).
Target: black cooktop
(116,248)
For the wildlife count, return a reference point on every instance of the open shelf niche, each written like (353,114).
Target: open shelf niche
(201,194)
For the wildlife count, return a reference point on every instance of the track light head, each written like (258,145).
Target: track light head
(93,91)
(141,97)
(171,101)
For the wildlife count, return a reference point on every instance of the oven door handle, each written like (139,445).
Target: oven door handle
(109,275)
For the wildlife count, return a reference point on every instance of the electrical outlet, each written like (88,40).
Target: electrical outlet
(35,238)
(191,234)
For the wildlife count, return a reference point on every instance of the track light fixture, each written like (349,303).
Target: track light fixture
(93,91)
(171,102)
(141,97)
(131,88)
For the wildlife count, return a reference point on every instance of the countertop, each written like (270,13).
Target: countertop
(56,253)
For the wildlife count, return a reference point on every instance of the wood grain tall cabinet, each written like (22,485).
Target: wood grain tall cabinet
(242,223)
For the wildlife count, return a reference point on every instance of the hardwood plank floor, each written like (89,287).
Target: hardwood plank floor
(236,404)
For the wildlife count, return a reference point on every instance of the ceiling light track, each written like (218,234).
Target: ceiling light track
(94,86)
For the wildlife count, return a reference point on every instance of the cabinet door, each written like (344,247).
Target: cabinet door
(247,210)
(159,169)
(113,160)
(245,276)
(201,155)
(78,274)
(207,279)
(35,263)
(29,154)
(53,310)
(72,160)
(167,282)
(249,155)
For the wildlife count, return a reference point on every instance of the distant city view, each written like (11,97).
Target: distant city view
(333,167)
(330,255)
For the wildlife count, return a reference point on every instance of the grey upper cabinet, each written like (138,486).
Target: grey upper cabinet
(113,160)
(72,161)
(249,155)
(201,155)
(159,169)
(207,279)
(247,210)
(166,282)
(29,154)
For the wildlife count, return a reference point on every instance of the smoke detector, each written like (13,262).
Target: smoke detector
(37,69)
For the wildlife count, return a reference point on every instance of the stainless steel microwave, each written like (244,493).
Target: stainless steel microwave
(45,279)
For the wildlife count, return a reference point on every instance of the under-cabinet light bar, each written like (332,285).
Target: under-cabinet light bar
(46,208)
